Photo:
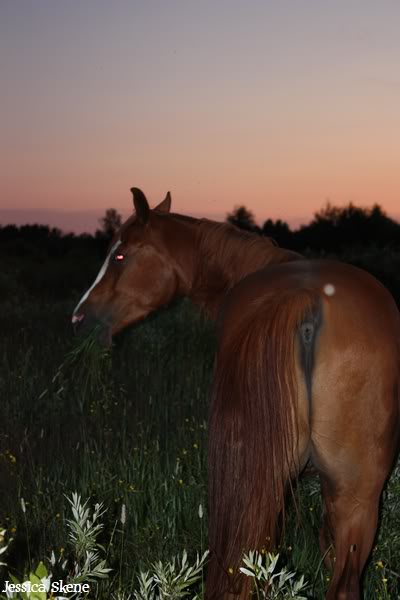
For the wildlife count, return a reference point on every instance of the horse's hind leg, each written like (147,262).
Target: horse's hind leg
(354,426)
(353,463)
(352,515)
(325,532)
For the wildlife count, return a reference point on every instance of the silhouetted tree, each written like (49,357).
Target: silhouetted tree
(110,224)
(34,240)
(335,227)
(8,233)
(243,218)
(279,231)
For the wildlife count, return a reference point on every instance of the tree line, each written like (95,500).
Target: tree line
(332,229)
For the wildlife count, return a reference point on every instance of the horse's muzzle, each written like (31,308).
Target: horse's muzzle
(85,323)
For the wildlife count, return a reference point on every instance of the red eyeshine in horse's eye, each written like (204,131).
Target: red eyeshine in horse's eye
(119,257)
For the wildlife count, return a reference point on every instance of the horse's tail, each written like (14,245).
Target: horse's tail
(253,428)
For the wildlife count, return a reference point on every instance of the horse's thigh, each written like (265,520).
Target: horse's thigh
(355,422)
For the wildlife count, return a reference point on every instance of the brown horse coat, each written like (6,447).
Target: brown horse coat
(307,369)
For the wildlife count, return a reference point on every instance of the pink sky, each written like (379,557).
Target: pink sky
(278,106)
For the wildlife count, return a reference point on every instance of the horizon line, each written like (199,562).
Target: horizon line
(87,221)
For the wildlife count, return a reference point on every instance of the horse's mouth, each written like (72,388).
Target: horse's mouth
(91,326)
(104,335)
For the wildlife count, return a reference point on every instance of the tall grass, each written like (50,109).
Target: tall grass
(128,428)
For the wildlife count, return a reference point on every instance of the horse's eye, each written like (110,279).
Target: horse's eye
(119,257)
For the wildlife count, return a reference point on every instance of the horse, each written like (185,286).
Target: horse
(307,371)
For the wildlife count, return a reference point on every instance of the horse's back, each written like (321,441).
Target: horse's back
(356,309)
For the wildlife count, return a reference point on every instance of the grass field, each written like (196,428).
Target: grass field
(129,428)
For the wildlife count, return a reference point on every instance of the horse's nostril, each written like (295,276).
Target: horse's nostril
(77,318)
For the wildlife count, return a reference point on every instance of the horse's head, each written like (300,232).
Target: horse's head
(137,277)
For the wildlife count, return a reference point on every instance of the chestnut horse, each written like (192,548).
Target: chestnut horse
(307,370)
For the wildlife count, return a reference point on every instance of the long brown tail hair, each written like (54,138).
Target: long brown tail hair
(253,430)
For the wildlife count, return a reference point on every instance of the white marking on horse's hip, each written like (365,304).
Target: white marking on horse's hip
(329,289)
(96,281)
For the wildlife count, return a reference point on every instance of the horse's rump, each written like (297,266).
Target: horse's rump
(273,334)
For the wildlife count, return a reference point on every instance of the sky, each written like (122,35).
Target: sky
(278,105)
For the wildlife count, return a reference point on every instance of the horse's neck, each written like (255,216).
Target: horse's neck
(223,255)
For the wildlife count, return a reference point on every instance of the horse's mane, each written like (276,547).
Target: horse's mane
(237,252)
(226,254)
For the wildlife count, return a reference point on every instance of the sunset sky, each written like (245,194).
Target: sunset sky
(278,105)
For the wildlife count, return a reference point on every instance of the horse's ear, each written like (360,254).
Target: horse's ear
(141,205)
(165,205)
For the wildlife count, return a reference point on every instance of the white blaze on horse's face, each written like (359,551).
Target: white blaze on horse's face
(75,316)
